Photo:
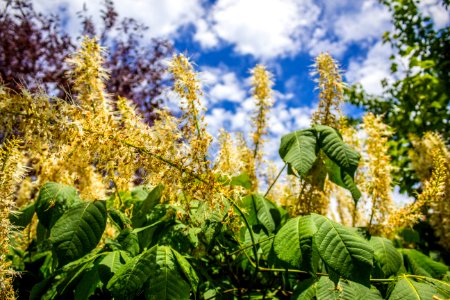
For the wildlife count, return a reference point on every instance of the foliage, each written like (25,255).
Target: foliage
(34,47)
(289,258)
(197,227)
(417,100)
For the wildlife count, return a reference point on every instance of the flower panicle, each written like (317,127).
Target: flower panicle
(262,93)
(378,177)
(331,91)
(89,77)
(11,173)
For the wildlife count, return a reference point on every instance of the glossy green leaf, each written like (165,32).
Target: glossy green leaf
(298,149)
(334,147)
(342,250)
(78,231)
(421,264)
(111,263)
(53,200)
(407,288)
(346,290)
(305,289)
(386,255)
(153,198)
(261,211)
(242,180)
(119,218)
(342,178)
(156,270)
(129,279)
(287,244)
(442,287)
(187,270)
(129,241)
(352,290)
(88,284)
(166,280)
(325,290)
(291,237)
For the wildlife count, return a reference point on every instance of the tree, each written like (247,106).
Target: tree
(34,48)
(418,101)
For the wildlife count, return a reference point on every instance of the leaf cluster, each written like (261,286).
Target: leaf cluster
(160,251)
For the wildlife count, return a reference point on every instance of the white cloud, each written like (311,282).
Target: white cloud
(163,17)
(435,10)
(204,35)
(343,23)
(262,28)
(370,71)
(370,21)
(221,84)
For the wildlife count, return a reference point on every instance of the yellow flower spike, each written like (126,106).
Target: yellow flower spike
(331,91)
(89,77)
(11,173)
(262,93)
(188,88)
(431,161)
(379,180)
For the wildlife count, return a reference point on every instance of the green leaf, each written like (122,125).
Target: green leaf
(20,219)
(342,250)
(140,216)
(299,149)
(158,271)
(421,264)
(305,289)
(346,290)
(441,287)
(334,147)
(88,284)
(78,231)
(386,256)
(129,241)
(61,282)
(242,180)
(351,185)
(352,290)
(291,237)
(129,279)
(342,178)
(53,200)
(261,211)
(111,263)
(165,280)
(326,290)
(187,270)
(119,218)
(407,288)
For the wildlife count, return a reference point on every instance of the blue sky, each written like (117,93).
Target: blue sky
(226,38)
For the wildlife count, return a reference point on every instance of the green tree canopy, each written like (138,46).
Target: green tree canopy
(417,101)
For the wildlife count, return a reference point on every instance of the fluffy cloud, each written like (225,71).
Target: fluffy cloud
(262,28)
(344,23)
(222,85)
(163,17)
(434,9)
(372,69)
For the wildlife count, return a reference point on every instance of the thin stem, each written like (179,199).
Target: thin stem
(276,179)
(255,251)
(117,190)
(250,246)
